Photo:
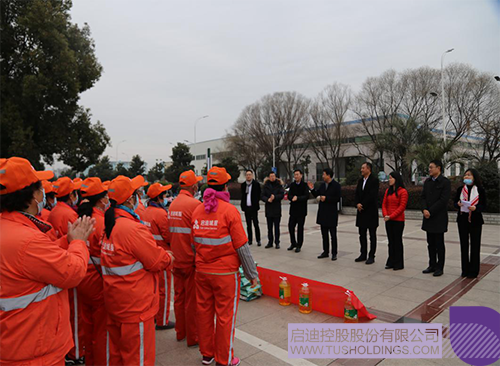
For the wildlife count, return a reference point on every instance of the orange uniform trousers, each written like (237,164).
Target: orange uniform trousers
(77,324)
(165,285)
(218,296)
(131,343)
(185,305)
(94,317)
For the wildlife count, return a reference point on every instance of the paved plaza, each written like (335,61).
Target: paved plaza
(404,296)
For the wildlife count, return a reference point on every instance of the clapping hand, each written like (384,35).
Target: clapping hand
(81,229)
(310,185)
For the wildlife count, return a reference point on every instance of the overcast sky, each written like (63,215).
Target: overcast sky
(166,63)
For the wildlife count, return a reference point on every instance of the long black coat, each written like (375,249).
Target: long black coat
(299,207)
(273,209)
(255,196)
(368,197)
(435,197)
(328,214)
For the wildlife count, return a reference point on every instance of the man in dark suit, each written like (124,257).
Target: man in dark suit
(367,215)
(435,196)
(250,205)
(298,194)
(328,216)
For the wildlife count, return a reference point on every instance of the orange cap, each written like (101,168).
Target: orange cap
(47,186)
(140,179)
(18,173)
(156,189)
(188,178)
(106,184)
(217,176)
(122,187)
(65,186)
(92,187)
(77,180)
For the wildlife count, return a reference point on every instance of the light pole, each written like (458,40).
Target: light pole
(442,93)
(274,157)
(117,150)
(194,145)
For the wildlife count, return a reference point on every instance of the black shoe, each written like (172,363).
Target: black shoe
(464,274)
(69,361)
(323,255)
(207,360)
(277,246)
(291,247)
(471,276)
(170,325)
(360,259)
(259,243)
(249,243)
(388,266)
(268,246)
(438,272)
(429,270)
(297,250)
(334,257)
(398,268)
(370,261)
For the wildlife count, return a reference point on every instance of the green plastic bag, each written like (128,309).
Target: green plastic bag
(246,292)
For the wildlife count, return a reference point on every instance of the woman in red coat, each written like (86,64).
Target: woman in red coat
(393,210)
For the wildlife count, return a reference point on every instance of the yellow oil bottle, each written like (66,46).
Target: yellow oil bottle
(305,299)
(285,291)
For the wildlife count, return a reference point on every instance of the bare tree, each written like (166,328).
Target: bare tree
(327,131)
(276,120)
(377,104)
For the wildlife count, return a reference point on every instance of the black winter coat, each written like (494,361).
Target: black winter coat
(435,197)
(273,209)
(255,196)
(328,214)
(477,215)
(368,197)
(299,207)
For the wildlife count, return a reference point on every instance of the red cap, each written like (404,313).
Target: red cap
(47,186)
(92,187)
(65,186)
(156,189)
(217,176)
(188,178)
(18,173)
(121,188)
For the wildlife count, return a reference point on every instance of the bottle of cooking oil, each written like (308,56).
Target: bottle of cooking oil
(285,291)
(350,312)
(305,299)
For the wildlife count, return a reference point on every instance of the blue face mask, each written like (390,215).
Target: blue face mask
(165,202)
(136,204)
(468,182)
(41,205)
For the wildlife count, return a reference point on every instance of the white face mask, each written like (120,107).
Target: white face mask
(136,204)
(75,201)
(53,203)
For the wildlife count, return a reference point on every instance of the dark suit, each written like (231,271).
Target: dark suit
(435,196)
(470,233)
(328,214)
(367,219)
(273,209)
(252,211)
(298,212)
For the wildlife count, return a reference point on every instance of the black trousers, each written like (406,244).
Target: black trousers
(252,216)
(327,233)
(435,246)
(470,245)
(394,231)
(273,229)
(292,223)
(363,241)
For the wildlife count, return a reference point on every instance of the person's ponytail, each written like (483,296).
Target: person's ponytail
(109,218)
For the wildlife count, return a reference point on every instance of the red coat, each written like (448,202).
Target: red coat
(395,206)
